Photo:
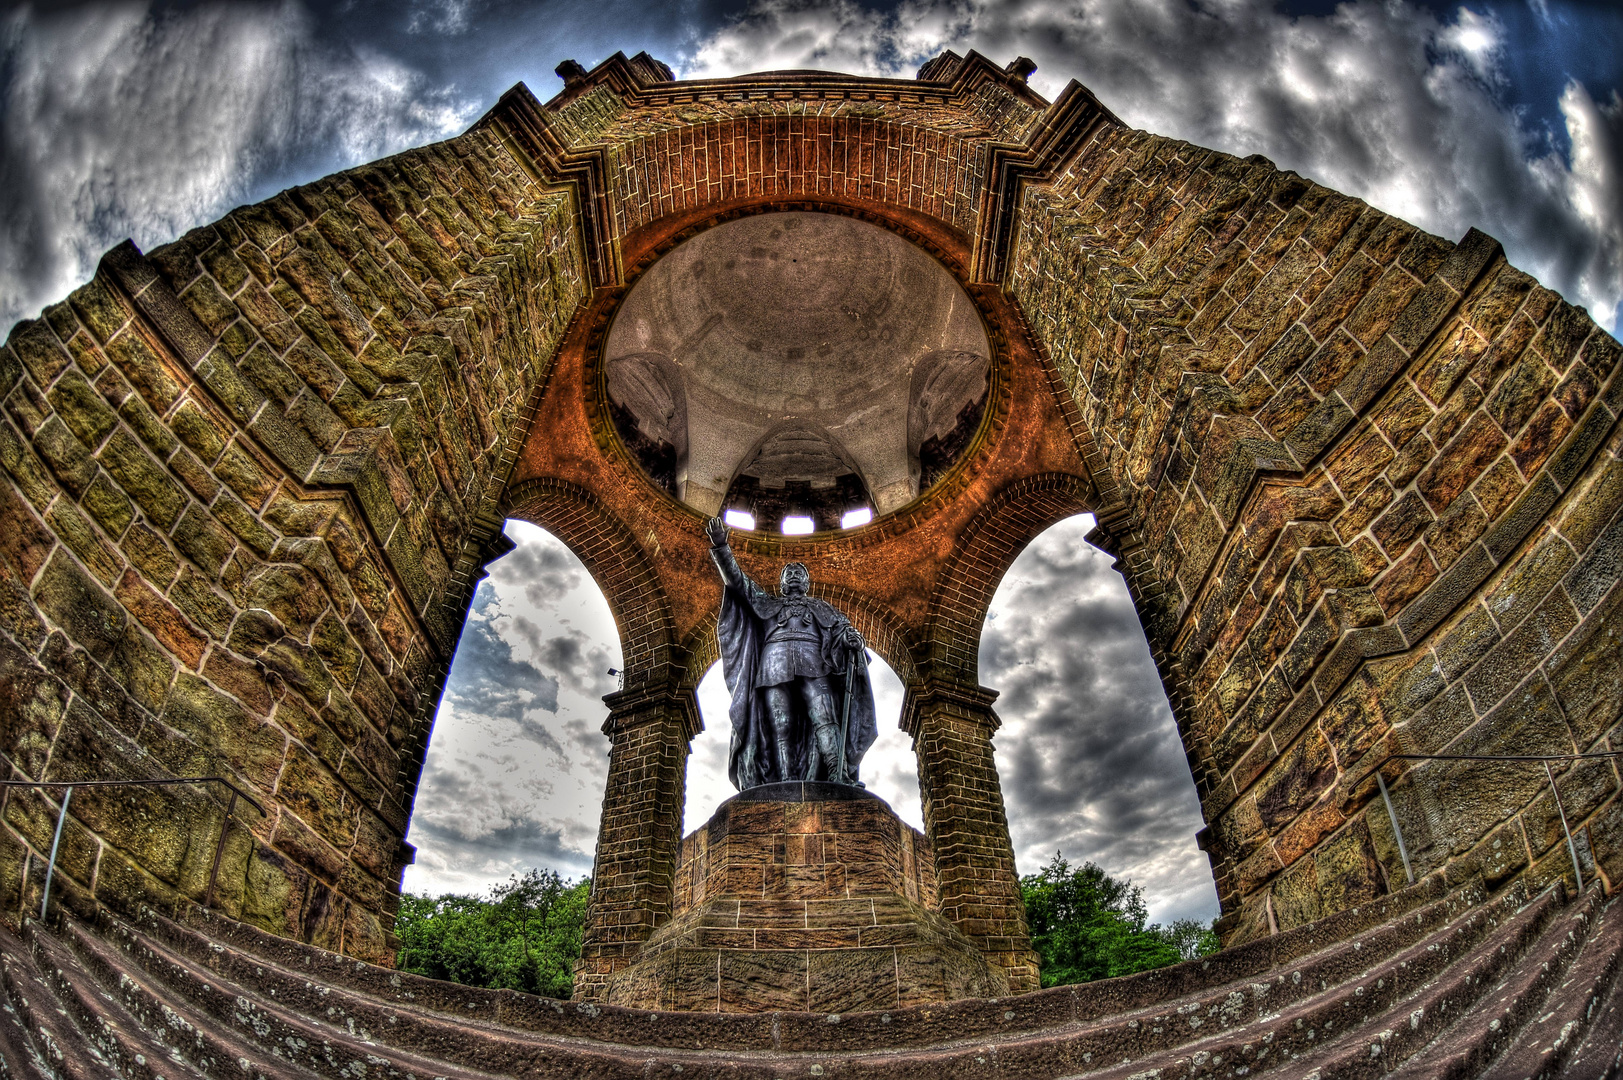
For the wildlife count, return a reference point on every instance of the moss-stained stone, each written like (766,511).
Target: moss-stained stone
(203,540)
(209,718)
(67,458)
(1584,676)
(144,669)
(32,705)
(292,594)
(1299,777)
(109,506)
(313,793)
(76,531)
(72,600)
(146,371)
(82,408)
(244,525)
(198,430)
(142,478)
(206,608)
(274,892)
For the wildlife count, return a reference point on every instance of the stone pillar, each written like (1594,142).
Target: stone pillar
(952,725)
(650,726)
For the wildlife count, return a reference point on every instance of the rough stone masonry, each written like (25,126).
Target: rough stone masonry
(1363,483)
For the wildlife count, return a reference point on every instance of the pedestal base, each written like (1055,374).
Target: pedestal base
(805,897)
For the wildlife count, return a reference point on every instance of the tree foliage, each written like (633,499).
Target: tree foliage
(524,936)
(1087,925)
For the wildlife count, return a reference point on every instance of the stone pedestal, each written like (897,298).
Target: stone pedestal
(805,897)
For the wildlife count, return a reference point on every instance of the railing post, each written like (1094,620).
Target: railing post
(1397,832)
(56,842)
(219,850)
(1572,849)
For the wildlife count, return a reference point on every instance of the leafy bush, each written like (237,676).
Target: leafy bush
(525,936)
(1087,925)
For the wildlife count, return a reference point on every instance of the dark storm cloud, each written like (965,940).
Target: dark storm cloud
(1089,757)
(524,842)
(581,663)
(119,120)
(543,571)
(1387,101)
(488,680)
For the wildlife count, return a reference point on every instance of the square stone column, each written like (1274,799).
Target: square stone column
(651,725)
(952,725)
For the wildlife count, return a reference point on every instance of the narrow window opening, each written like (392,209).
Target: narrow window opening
(739,519)
(798,525)
(860,516)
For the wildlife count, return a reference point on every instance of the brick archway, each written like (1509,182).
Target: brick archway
(1361,482)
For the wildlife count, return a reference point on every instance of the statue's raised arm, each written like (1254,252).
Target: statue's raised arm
(721,553)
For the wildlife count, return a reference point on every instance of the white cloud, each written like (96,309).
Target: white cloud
(1382,100)
(837,36)
(120,121)
(439,16)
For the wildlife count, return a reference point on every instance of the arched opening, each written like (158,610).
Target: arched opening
(1089,756)
(889,768)
(515,770)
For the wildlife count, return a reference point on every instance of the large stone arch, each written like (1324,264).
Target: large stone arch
(1362,483)
(1009,521)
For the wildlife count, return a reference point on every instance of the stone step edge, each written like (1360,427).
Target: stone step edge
(1178,1045)
(108,1022)
(54,1048)
(1367,1052)
(1463,1052)
(230,1019)
(1576,1005)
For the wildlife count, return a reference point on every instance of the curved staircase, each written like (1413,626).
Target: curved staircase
(1423,983)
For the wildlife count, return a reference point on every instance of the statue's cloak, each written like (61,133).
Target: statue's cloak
(741,633)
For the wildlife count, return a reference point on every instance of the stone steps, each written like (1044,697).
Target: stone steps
(1505,1010)
(1423,983)
(1580,1025)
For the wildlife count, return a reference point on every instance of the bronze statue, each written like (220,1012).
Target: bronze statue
(802,704)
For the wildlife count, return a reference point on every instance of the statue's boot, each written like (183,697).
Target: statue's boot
(786,760)
(828,749)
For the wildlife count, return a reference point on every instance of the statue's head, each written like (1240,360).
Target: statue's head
(795,580)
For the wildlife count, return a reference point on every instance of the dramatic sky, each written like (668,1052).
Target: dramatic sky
(144,119)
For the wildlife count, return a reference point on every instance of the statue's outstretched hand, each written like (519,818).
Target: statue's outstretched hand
(716,529)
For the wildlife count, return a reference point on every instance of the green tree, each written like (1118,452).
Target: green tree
(1087,925)
(524,936)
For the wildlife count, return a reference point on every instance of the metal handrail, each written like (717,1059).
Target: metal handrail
(1545,759)
(62,817)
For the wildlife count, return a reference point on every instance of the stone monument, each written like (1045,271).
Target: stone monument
(802,707)
(803,892)
(1365,486)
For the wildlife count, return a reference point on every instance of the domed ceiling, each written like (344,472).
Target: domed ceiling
(796,363)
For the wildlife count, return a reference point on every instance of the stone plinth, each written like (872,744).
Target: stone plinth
(805,897)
